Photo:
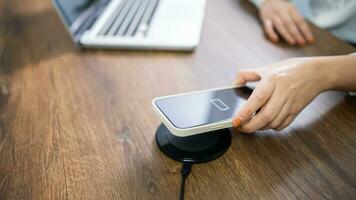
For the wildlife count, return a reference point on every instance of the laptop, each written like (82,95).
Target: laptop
(133,24)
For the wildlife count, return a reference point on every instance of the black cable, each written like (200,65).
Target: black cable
(185,171)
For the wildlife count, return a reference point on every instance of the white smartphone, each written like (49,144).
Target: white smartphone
(200,111)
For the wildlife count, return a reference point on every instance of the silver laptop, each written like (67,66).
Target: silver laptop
(134,24)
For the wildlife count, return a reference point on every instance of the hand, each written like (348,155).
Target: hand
(281,16)
(284,89)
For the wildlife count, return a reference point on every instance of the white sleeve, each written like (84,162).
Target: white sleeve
(257,3)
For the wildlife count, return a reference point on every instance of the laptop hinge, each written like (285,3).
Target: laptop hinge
(85,20)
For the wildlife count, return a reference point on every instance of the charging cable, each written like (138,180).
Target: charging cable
(185,171)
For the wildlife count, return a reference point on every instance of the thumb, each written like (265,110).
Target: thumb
(245,76)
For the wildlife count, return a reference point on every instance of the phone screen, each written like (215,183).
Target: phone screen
(201,108)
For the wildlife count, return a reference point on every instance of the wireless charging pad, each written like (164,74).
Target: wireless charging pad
(199,148)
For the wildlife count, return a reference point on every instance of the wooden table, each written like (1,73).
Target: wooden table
(79,125)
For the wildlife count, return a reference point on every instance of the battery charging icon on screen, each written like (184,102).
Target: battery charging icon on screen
(219,104)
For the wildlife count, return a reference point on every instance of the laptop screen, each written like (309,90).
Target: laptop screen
(79,15)
(71,10)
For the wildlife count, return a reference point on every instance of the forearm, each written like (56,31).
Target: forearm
(339,72)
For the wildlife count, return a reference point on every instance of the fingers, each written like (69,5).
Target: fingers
(280,118)
(282,29)
(303,26)
(289,24)
(271,33)
(285,123)
(245,76)
(257,99)
(293,29)
(268,113)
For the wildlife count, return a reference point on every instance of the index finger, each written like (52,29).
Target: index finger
(271,33)
(245,76)
(257,99)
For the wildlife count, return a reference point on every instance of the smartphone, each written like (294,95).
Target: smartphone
(200,111)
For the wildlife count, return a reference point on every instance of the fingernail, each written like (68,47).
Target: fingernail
(236,122)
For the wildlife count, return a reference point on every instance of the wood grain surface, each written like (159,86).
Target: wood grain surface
(78,124)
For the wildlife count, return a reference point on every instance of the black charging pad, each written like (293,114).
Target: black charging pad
(199,148)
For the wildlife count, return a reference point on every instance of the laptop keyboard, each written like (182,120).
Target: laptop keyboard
(131,18)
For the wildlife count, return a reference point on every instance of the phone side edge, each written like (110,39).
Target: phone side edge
(174,130)
(199,91)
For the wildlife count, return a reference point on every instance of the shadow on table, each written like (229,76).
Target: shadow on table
(28,39)
(31,38)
